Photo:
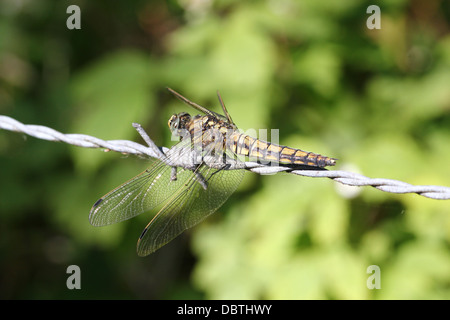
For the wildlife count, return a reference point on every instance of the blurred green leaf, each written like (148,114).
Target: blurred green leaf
(108,97)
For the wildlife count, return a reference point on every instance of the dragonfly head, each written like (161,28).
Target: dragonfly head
(179,122)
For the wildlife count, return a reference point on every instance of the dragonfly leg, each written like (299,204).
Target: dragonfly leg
(225,167)
(201,180)
(149,141)
(173,174)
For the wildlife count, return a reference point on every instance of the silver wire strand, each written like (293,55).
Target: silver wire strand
(130,147)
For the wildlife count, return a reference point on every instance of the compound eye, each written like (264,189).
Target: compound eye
(173,121)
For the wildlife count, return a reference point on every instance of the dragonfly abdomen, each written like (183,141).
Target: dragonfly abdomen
(263,151)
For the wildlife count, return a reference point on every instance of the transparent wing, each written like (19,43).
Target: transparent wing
(134,197)
(188,206)
(190,198)
(141,193)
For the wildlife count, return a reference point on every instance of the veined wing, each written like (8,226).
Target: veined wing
(142,193)
(139,194)
(188,206)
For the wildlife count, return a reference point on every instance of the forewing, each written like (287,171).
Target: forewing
(140,194)
(189,205)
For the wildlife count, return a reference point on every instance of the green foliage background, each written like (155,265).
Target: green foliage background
(378,100)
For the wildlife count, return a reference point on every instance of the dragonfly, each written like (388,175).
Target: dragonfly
(195,177)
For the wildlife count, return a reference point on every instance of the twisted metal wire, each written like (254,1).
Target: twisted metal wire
(130,147)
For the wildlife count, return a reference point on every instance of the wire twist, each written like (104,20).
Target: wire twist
(130,147)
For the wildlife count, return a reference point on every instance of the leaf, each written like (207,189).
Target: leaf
(109,95)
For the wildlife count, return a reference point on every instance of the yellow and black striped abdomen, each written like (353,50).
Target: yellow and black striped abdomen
(262,151)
